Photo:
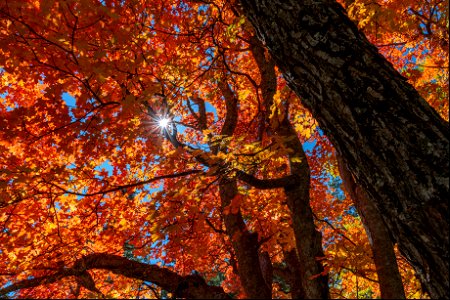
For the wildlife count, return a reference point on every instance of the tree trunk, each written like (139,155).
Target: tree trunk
(391,286)
(395,144)
(245,245)
(308,239)
(295,280)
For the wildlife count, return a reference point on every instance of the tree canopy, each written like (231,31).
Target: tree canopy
(154,149)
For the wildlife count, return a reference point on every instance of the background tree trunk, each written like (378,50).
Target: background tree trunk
(245,244)
(395,144)
(308,239)
(391,286)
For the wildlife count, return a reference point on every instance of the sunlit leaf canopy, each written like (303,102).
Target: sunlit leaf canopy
(92,93)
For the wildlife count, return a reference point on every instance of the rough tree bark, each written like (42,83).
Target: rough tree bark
(390,281)
(308,239)
(395,144)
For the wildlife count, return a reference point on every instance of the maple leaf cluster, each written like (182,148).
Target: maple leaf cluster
(86,169)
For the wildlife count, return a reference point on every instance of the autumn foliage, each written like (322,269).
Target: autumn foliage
(91,184)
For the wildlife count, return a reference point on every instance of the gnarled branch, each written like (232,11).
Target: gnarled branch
(189,286)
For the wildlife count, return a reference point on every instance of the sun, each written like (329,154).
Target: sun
(164,122)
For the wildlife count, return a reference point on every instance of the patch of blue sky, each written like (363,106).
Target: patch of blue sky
(153,190)
(208,107)
(352,211)
(180,127)
(309,145)
(71,103)
(57,205)
(106,165)
(71,166)
(334,187)
(69,99)
(176,28)
(10,295)
(413,60)
(8,108)
(181,7)
(203,8)
(82,133)
(210,51)
(181,130)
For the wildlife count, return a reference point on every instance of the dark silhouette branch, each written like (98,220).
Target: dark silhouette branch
(189,286)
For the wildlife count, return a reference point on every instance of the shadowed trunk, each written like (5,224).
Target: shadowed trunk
(253,275)
(295,280)
(395,145)
(389,278)
(308,239)
(245,244)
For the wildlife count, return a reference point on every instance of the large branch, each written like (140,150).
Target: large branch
(267,184)
(189,286)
